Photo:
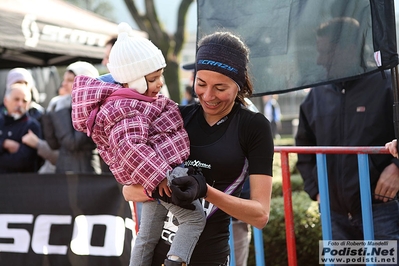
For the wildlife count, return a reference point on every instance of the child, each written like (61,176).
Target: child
(139,134)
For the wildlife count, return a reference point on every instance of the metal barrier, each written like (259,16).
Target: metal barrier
(258,244)
(320,151)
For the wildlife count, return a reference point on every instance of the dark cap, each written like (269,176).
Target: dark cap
(189,66)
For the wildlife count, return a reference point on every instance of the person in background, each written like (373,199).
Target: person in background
(227,141)
(76,150)
(272,112)
(242,233)
(44,150)
(189,96)
(22,75)
(355,112)
(61,91)
(108,46)
(15,156)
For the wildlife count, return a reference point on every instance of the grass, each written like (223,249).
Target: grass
(295,178)
(292,157)
(284,141)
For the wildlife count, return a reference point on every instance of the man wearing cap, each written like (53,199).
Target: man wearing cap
(16,157)
(23,76)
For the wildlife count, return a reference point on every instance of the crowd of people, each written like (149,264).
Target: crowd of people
(210,158)
(43,140)
(56,139)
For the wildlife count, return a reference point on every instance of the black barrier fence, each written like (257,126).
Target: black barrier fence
(67,219)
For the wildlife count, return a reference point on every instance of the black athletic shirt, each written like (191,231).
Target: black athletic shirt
(239,142)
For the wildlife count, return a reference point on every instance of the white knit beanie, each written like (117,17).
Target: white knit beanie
(132,58)
(83,68)
(19,75)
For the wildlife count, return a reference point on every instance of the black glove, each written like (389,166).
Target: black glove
(186,189)
(165,198)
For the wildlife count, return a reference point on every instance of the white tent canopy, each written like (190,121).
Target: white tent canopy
(36,33)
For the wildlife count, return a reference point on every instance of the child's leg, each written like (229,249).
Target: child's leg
(152,218)
(191,225)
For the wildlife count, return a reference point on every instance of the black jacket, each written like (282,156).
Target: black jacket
(26,158)
(77,150)
(352,113)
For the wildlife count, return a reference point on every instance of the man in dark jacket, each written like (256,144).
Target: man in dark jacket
(16,157)
(356,112)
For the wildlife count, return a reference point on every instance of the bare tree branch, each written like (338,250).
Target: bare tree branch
(139,19)
(170,45)
(181,25)
(153,19)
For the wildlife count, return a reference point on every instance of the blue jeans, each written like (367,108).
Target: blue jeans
(385,221)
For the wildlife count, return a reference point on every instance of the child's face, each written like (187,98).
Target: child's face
(154,83)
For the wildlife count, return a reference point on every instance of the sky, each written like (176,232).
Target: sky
(167,12)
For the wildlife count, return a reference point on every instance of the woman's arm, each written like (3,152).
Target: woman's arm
(254,211)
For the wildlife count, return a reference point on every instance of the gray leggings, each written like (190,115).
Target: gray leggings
(153,214)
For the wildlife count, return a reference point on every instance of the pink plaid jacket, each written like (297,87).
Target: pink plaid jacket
(139,140)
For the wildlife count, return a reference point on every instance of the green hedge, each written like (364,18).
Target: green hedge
(296,185)
(307,228)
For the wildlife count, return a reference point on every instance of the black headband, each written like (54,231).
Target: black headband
(224,60)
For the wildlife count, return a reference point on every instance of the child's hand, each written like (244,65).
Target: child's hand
(164,188)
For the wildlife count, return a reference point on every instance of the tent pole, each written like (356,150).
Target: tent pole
(395,88)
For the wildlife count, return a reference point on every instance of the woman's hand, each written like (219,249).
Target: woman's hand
(134,193)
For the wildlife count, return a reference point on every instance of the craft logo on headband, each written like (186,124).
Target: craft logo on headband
(224,60)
